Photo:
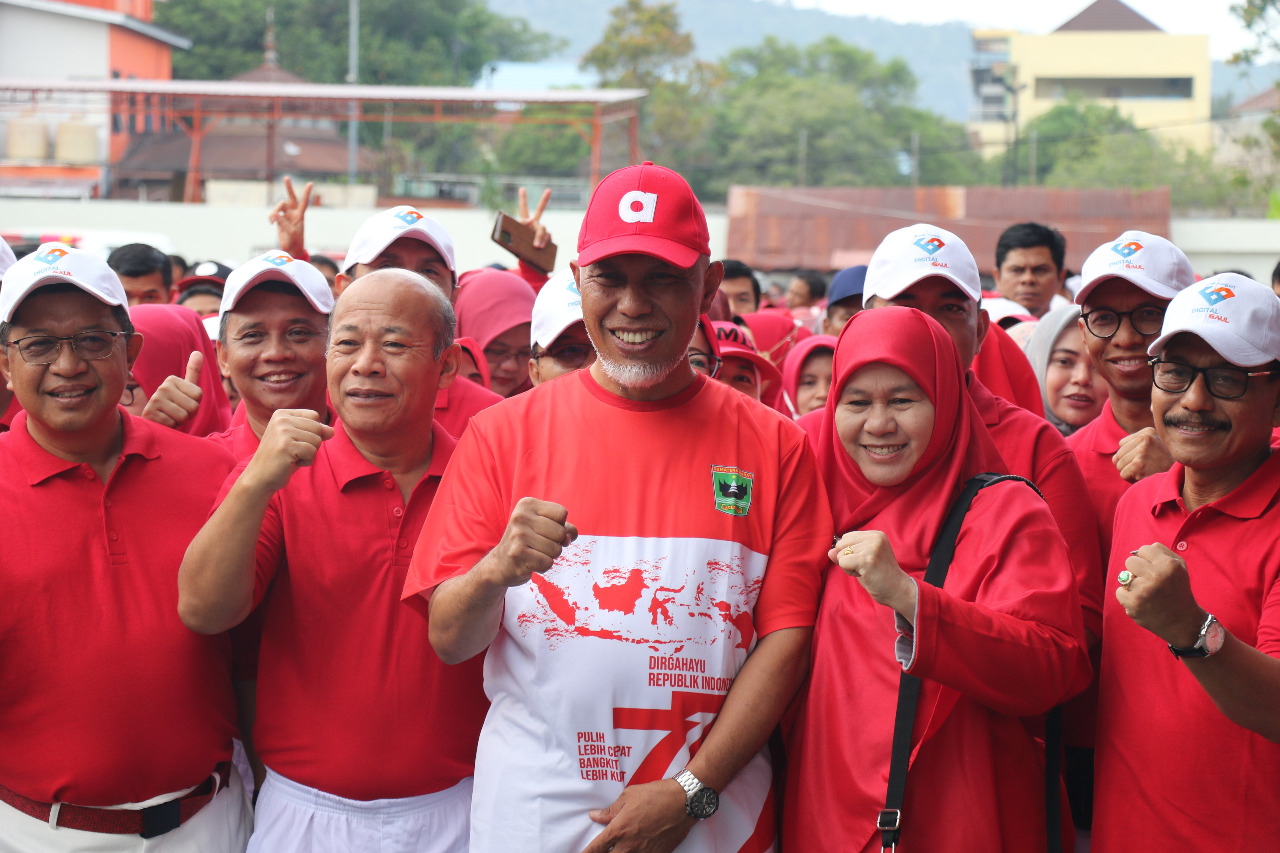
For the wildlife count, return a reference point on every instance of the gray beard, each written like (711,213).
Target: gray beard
(640,375)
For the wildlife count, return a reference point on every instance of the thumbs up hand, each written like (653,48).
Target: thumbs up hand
(178,397)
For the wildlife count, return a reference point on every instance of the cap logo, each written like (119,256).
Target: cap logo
(409,217)
(735,335)
(628,212)
(929,245)
(52,256)
(1214,295)
(279,260)
(1127,250)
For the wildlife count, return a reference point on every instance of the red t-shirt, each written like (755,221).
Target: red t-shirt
(107,697)
(461,401)
(1032,448)
(702,525)
(1094,444)
(351,698)
(1001,641)
(1172,772)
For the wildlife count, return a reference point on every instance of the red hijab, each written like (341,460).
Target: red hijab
(170,333)
(491,302)
(472,348)
(910,513)
(775,332)
(793,366)
(1003,367)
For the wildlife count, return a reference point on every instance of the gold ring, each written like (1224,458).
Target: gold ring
(846,552)
(1125,578)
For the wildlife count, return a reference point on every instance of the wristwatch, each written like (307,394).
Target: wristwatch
(1212,636)
(700,802)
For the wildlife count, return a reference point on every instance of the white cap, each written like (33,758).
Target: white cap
(917,252)
(211,326)
(53,263)
(277,266)
(1145,260)
(7,258)
(558,306)
(1237,316)
(382,229)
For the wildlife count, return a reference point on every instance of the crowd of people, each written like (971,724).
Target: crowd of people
(384,555)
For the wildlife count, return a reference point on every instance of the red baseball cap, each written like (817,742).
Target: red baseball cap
(646,210)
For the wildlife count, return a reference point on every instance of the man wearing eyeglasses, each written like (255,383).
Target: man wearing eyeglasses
(558,337)
(1187,749)
(1128,282)
(116,721)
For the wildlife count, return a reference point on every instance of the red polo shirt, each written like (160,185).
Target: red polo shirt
(1094,444)
(1172,772)
(352,699)
(107,697)
(11,412)
(457,404)
(1032,448)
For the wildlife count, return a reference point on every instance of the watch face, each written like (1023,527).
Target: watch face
(1214,638)
(702,803)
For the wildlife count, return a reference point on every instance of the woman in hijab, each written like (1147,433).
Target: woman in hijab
(495,308)
(1070,386)
(806,376)
(1001,640)
(170,334)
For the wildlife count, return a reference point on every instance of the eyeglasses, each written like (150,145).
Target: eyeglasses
(498,356)
(704,362)
(569,356)
(1104,322)
(88,346)
(1225,383)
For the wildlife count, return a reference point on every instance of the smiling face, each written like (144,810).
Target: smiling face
(1121,358)
(382,367)
(884,421)
(273,352)
(1075,390)
(508,357)
(1030,278)
(72,397)
(741,374)
(1225,440)
(641,313)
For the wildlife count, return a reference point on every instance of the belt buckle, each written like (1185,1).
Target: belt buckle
(161,818)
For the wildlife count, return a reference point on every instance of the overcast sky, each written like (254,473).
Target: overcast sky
(1183,17)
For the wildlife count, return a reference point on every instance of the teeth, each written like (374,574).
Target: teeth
(68,394)
(883,451)
(635,337)
(278,377)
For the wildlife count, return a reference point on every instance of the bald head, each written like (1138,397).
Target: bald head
(413,298)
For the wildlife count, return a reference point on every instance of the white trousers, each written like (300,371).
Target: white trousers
(292,818)
(222,826)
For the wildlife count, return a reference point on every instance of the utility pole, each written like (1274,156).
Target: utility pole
(915,159)
(803,166)
(353,75)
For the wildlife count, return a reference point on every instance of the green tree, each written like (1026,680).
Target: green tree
(444,42)
(1072,131)
(641,45)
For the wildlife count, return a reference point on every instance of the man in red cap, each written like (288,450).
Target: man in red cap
(650,572)
(368,738)
(116,720)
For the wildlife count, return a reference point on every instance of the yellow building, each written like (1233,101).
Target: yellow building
(1108,54)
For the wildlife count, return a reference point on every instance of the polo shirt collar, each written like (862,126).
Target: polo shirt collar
(985,401)
(38,464)
(1248,500)
(348,463)
(1106,435)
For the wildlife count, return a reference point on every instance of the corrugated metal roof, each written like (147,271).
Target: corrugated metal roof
(325,91)
(102,16)
(775,228)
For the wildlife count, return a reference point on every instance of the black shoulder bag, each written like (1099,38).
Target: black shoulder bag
(890,820)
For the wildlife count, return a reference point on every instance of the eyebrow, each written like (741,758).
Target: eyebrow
(1067,350)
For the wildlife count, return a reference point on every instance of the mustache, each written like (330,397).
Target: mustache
(1194,421)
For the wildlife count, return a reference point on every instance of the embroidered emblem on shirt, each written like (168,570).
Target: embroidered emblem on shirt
(732,489)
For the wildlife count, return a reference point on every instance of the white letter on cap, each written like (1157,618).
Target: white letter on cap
(627,211)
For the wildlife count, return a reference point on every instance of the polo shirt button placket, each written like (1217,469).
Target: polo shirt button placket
(1181,546)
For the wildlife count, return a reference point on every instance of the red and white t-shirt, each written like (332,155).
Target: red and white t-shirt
(702,526)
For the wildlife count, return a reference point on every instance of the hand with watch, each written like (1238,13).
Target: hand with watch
(1155,591)
(700,802)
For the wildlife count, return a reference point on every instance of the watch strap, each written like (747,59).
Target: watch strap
(1199,650)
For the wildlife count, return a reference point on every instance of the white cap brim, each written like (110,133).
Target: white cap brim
(1225,343)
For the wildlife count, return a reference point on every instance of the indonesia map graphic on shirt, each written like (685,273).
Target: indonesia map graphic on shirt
(678,599)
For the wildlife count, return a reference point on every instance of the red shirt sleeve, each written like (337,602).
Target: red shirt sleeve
(536,277)
(802,538)
(1006,629)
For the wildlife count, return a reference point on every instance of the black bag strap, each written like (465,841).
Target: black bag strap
(944,548)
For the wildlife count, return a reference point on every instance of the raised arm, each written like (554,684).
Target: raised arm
(216,580)
(466,611)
